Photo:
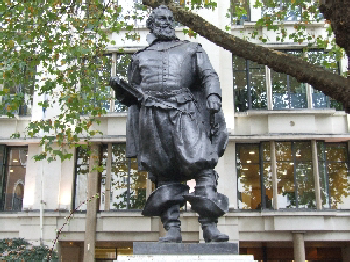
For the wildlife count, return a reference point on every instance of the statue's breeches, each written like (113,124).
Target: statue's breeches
(174,143)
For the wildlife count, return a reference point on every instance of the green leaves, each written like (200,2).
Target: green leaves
(57,48)
(17,249)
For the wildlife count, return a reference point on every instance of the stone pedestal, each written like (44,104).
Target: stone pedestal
(212,258)
(191,252)
(185,249)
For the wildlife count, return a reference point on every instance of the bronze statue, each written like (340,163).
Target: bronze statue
(175,126)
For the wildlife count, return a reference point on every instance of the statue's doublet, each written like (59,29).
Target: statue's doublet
(167,64)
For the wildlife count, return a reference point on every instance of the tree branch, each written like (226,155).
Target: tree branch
(332,85)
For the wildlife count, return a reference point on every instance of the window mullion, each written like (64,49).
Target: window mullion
(249,91)
(108,178)
(327,176)
(262,185)
(289,92)
(295,175)
(274,172)
(128,184)
(316,174)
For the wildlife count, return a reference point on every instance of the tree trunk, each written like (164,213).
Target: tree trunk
(332,85)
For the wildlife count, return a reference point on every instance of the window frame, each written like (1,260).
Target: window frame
(6,169)
(261,178)
(245,102)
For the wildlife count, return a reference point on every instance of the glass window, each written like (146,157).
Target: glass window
(326,60)
(254,176)
(123,60)
(249,82)
(132,13)
(128,185)
(97,80)
(19,91)
(284,7)
(240,11)
(13,179)
(2,175)
(295,181)
(286,91)
(334,175)
(105,254)
(81,178)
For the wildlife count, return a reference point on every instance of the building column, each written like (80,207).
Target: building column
(316,174)
(274,173)
(91,219)
(299,246)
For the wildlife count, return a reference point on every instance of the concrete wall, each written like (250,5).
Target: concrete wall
(131,226)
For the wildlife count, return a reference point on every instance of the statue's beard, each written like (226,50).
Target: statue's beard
(164,33)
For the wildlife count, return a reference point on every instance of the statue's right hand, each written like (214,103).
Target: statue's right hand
(114,80)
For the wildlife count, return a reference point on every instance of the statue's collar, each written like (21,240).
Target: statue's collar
(156,44)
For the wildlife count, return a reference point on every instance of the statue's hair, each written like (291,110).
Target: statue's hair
(150,19)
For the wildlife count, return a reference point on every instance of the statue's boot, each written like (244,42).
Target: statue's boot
(172,224)
(210,231)
(210,205)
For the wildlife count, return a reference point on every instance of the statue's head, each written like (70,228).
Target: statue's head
(161,23)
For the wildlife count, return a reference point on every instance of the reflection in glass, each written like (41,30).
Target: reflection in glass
(334,175)
(287,92)
(305,185)
(138,181)
(329,61)
(255,191)
(96,79)
(128,185)
(15,178)
(81,178)
(119,177)
(249,82)
(2,174)
(283,7)
(257,75)
(285,185)
(295,181)
(123,60)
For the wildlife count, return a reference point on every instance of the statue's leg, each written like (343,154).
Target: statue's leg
(172,224)
(170,217)
(206,186)
(210,231)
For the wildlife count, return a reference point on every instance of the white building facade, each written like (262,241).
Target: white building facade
(285,170)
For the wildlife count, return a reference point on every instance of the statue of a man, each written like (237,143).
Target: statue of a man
(175,126)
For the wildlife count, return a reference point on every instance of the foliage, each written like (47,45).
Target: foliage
(57,48)
(17,249)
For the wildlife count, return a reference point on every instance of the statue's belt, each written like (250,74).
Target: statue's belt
(180,96)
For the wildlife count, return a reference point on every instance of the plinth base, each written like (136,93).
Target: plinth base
(194,258)
(181,249)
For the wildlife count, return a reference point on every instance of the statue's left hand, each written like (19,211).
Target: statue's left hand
(213,103)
